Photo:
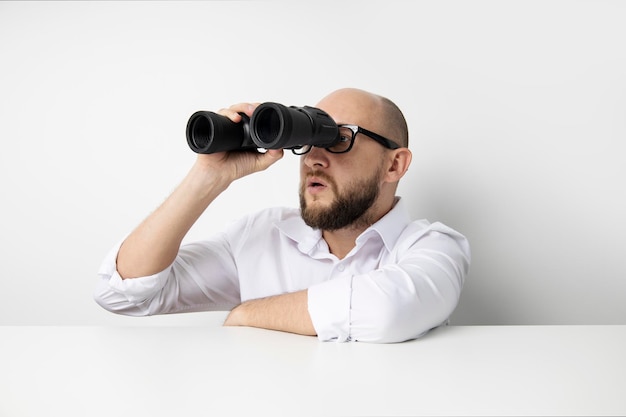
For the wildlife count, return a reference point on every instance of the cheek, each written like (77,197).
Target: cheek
(303,169)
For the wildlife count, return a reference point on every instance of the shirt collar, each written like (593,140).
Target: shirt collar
(305,236)
(389,228)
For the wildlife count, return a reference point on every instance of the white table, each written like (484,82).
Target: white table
(183,371)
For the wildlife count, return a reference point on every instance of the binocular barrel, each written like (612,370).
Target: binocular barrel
(209,132)
(272,126)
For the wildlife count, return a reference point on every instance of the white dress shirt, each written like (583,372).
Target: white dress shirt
(401,279)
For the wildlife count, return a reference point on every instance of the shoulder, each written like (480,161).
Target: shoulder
(419,228)
(422,234)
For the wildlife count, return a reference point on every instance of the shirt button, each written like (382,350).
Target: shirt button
(341,267)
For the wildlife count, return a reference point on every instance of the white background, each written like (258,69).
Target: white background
(516,110)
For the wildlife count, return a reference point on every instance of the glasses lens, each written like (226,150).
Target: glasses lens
(345,139)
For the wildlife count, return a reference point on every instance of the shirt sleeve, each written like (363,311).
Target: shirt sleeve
(399,301)
(203,277)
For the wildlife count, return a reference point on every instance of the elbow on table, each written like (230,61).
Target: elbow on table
(117,303)
(392,322)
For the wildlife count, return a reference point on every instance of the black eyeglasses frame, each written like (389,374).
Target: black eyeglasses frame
(387,143)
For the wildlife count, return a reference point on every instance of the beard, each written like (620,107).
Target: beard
(348,209)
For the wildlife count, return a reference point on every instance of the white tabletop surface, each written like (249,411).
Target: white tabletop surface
(183,371)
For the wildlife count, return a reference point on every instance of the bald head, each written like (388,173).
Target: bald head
(371,111)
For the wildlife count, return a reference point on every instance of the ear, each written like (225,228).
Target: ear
(399,161)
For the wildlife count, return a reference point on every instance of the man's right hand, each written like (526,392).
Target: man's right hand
(230,166)
(154,244)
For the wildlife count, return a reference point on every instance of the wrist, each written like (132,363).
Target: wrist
(235,317)
(207,182)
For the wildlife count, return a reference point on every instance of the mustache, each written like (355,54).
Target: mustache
(322,176)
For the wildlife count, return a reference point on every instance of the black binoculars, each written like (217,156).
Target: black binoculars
(272,126)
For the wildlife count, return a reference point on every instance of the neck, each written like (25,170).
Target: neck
(342,241)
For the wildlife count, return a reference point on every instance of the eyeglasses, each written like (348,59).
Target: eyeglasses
(347,134)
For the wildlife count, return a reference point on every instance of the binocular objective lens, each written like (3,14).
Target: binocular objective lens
(201,132)
(268,126)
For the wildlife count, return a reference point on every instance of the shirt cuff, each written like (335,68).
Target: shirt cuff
(329,308)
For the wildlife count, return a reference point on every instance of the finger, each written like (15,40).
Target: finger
(270,157)
(231,114)
(247,108)
(252,107)
(275,153)
(233,111)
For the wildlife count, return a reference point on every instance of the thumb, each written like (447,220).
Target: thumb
(270,157)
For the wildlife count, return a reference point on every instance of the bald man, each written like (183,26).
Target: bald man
(348,265)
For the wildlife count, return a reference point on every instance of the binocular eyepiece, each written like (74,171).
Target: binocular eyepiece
(272,126)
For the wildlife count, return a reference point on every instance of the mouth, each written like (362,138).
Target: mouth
(315,185)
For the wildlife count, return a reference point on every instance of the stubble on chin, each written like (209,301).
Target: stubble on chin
(347,209)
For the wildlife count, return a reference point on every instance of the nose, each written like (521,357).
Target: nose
(316,158)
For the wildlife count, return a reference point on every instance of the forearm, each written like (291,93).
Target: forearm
(285,312)
(154,244)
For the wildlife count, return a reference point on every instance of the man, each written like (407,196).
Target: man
(348,266)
